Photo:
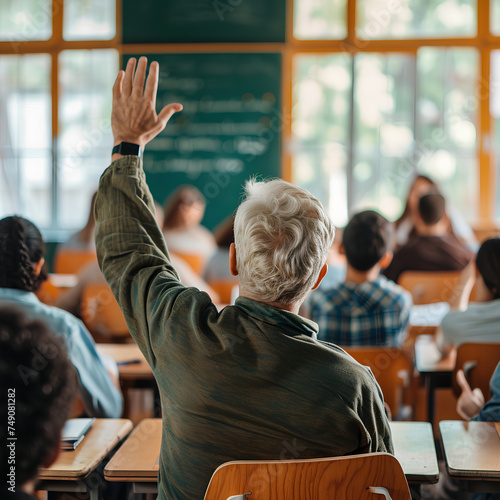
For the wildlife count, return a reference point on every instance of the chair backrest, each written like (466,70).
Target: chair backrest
(102,314)
(195,261)
(224,289)
(71,261)
(427,287)
(391,367)
(478,361)
(339,478)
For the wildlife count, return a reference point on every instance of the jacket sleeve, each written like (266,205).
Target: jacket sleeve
(133,256)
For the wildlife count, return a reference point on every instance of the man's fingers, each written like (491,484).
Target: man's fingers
(128,79)
(152,83)
(462,381)
(168,111)
(117,87)
(140,76)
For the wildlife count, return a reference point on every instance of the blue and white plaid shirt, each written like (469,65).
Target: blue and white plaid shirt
(372,313)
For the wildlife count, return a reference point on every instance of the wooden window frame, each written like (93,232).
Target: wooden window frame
(484,42)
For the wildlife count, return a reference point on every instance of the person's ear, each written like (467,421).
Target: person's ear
(341,249)
(386,260)
(38,266)
(322,274)
(232,260)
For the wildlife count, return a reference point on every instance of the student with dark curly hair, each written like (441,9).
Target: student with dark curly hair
(37,384)
(22,270)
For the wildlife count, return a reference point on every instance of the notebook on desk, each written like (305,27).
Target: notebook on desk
(74,431)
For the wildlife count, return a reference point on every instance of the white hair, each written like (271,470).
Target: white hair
(282,236)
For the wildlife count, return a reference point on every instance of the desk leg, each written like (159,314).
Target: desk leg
(94,493)
(429,383)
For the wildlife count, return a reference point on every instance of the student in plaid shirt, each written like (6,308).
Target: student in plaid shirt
(367,309)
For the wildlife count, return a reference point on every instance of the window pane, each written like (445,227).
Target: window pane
(25,137)
(320,129)
(85,141)
(495,17)
(383,131)
(319,19)
(22,20)
(379,19)
(495,114)
(448,102)
(89,19)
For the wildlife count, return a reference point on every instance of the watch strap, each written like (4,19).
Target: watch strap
(127,148)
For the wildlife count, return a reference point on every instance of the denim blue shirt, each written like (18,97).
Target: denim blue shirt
(101,398)
(491,410)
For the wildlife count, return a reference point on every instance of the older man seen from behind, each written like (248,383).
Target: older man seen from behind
(250,381)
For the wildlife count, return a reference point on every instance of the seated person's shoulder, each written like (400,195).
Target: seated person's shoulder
(394,292)
(345,368)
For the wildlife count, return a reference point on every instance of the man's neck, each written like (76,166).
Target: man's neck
(434,230)
(355,276)
(294,308)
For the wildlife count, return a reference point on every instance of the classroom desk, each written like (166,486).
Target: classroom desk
(437,371)
(132,364)
(73,470)
(137,460)
(472,454)
(134,372)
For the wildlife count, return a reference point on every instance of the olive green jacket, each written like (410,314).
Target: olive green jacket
(248,382)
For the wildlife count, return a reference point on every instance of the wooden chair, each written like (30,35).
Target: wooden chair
(391,367)
(478,361)
(224,289)
(71,261)
(361,477)
(195,261)
(427,287)
(102,314)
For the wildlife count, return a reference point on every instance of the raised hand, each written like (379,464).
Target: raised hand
(470,402)
(134,118)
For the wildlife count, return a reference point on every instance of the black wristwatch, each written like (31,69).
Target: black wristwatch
(127,148)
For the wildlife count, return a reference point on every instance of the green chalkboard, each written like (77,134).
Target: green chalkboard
(203,21)
(229,130)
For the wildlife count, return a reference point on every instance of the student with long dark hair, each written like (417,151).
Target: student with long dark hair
(478,321)
(22,270)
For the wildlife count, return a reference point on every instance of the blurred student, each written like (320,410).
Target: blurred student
(184,210)
(71,300)
(478,321)
(455,222)
(433,248)
(22,271)
(367,308)
(83,239)
(217,267)
(37,383)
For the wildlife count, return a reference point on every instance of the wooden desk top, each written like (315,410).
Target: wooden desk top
(104,435)
(137,459)
(414,448)
(122,353)
(472,449)
(428,358)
